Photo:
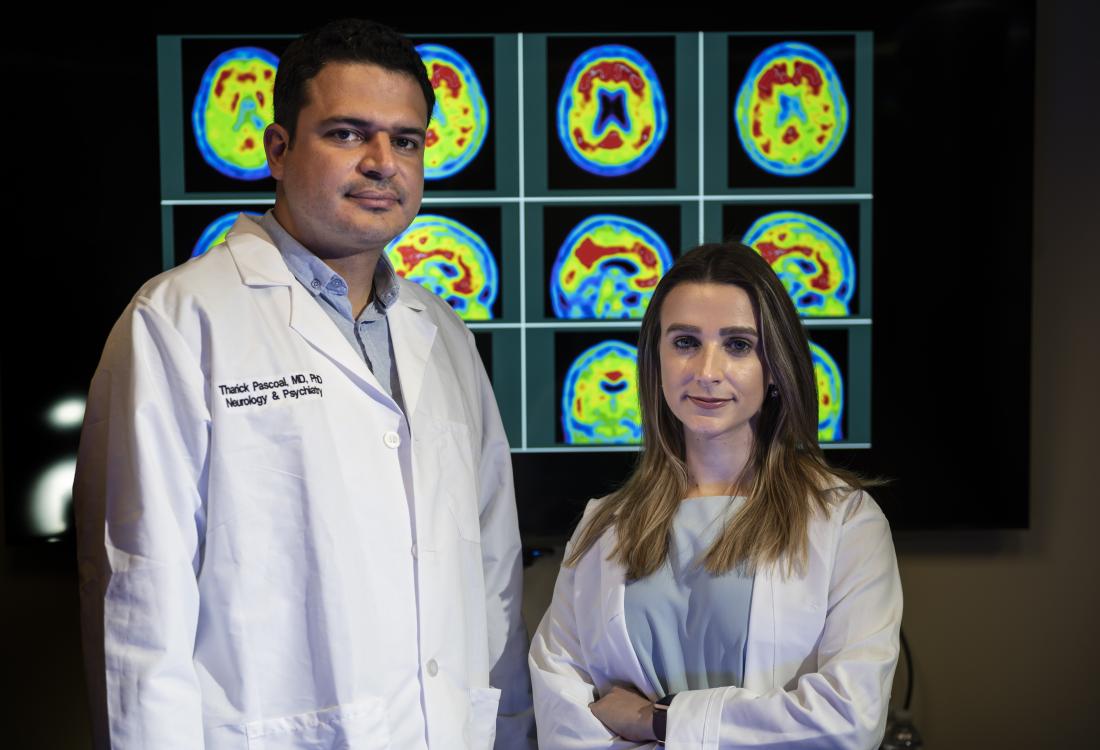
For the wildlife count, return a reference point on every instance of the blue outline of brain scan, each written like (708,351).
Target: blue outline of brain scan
(624,424)
(828,420)
(439,270)
(620,109)
(215,231)
(803,270)
(791,109)
(444,112)
(198,114)
(610,287)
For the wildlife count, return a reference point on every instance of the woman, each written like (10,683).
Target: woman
(736,591)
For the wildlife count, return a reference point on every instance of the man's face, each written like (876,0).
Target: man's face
(353,178)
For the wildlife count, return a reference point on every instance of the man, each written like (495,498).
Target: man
(295,509)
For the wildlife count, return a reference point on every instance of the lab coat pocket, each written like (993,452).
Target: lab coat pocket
(355,726)
(481,726)
(447,470)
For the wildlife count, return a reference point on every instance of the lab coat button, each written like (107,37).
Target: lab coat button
(433,668)
(391,439)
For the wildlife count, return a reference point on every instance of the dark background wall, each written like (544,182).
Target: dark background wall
(1003,624)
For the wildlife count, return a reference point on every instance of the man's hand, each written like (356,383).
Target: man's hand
(626,713)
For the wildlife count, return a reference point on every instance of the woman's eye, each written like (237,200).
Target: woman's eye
(739,346)
(684,342)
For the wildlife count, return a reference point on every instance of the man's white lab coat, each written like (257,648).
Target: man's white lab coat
(820,655)
(252,572)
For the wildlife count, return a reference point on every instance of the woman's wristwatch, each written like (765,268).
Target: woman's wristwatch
(660,716)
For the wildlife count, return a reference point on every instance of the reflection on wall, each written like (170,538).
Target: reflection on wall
(600,396)
(448,258)
(607,269)
(51,494)
(791,113)
(830,395)
(810,257)
(460,119)
(612,116)
(233,106)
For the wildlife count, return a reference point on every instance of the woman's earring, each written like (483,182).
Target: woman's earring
(773,391)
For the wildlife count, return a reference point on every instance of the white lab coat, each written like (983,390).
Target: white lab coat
(820,655)
(249,572)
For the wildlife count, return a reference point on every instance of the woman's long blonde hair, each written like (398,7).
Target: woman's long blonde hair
(789,477)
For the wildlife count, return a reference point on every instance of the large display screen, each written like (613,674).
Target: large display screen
(564,175)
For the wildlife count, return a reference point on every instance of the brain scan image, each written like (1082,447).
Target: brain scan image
(599,401)
(607,269)
(611,115)
(810,257)
(216,230)
(830,394)
(460,119)
(447,257)
(233,107)
(791,113)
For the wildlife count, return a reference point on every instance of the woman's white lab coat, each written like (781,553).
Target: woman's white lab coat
(820,656)
(253,574)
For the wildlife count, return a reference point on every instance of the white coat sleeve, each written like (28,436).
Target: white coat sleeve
(501,557)
(562,685)
(843,704)
(140,518)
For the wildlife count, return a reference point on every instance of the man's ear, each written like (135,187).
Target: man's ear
(276,144)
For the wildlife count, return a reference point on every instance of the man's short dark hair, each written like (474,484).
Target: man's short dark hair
(350,40)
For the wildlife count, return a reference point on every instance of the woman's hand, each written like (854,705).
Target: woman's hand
(626,713)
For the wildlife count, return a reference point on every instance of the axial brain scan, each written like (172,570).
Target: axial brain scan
(612,116)
(791,113)
(233,107)
(460,120)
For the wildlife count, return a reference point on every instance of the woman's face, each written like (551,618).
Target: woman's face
(712,372)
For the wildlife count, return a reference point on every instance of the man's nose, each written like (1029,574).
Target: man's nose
(378,157)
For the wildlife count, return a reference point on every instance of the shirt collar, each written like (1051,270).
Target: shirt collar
(318,278)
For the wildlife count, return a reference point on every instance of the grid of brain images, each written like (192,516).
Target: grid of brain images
(605,185)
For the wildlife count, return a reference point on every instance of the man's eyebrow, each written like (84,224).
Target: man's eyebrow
(728,330)
(359,122)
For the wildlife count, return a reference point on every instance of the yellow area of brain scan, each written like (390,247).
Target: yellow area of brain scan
(239,107)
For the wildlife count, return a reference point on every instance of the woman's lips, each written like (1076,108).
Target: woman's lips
(709,403)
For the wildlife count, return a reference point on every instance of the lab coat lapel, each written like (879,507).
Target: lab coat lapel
(619,651)
(260,264)
(412,334)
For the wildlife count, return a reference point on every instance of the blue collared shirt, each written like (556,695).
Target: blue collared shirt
(369,334)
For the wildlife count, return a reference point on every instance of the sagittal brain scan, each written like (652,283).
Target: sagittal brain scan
(460,120)
(607,269)
(233,107)
(450,259)
(791,113)
(830,395)
(810,257)
(216,230)
(611,116)
(599,401)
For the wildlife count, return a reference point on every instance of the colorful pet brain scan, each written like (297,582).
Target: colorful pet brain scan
(791,113)
(450,259)
(607,269)
(460,120)
(830,394)
(612,116)
(810,257)
(233,107)
(216,230)
(599,401)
